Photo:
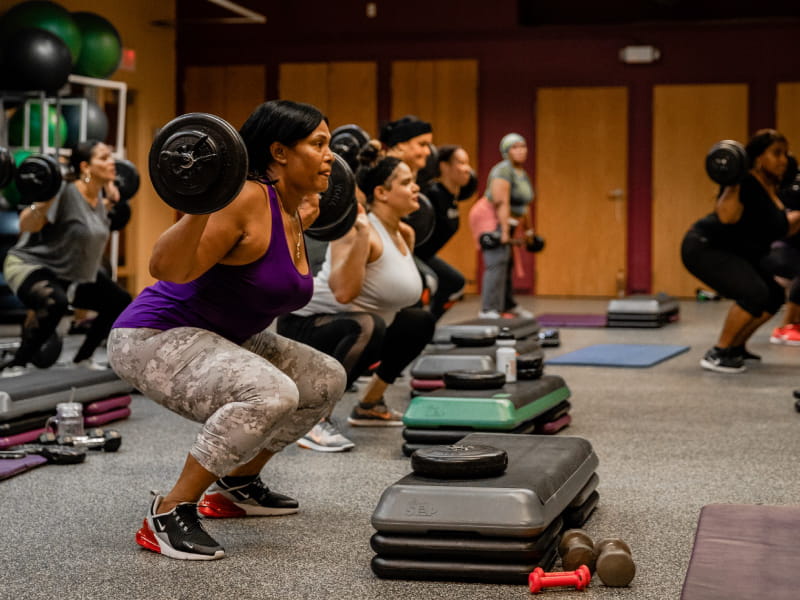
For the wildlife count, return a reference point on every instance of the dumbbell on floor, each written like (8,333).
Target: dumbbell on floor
(108,440)
(538,579)
(615,564)
(575,549)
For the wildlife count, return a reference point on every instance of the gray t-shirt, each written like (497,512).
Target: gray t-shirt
(72,242)
(521,188)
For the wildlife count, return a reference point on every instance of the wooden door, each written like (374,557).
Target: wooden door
(581,173)
(687,121)
(346,92)
(444,93)
(229,91)
(787,114)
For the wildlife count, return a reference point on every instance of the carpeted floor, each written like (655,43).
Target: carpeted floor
(670,439)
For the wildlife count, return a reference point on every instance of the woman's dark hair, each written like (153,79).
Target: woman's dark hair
(375,168)
(81,152)
(761,140)
(402,130)
(281,121)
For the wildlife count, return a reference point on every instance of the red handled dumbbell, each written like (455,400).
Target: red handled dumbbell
(538,579)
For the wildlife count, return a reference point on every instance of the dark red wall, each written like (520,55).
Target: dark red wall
(514,61)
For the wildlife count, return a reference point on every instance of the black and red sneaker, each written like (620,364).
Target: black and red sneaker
(177,533)
(253,499)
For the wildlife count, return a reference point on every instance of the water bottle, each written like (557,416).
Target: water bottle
(68,420)
(506,356)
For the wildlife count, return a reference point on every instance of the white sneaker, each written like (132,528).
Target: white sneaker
(325,437)
(520,312)
(92,365)
(14,371)
(488,314)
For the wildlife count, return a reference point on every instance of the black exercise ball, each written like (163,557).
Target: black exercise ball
(96,122)
(35,59)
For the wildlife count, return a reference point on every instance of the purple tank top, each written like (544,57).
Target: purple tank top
(234,301)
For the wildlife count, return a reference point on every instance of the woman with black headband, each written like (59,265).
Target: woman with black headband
(727,250)
(361,311)
(408,139)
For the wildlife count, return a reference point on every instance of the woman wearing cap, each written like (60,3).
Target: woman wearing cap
(727,249)
(503,208)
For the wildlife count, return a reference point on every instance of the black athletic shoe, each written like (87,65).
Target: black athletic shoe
(723,360)
(252,499)
(177,533)
(745,353)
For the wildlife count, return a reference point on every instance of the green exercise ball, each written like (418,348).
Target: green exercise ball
(55,122)
(11,192)
(42,14)
(101,46)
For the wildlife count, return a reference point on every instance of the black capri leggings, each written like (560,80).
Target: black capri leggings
(784,261)
(358,340)
(746,282)
(450,288)
(45,294)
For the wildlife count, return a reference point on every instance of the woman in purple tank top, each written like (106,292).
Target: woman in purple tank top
(197,343)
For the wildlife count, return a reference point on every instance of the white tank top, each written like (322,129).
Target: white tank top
(391,282)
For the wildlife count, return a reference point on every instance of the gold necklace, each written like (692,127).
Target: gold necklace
(299,237)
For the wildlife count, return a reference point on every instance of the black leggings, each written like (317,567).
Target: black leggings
(450,288)
(784,261)
(46,297)
(360,339)
(747,282)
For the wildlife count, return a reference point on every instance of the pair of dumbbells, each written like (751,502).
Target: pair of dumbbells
(108,440)
(610,558)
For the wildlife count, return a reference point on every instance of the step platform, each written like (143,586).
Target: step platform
(500,409)
(643,311)
(43,389)
(523,346)
(415,439)
(544,475)
(433,364)
(520,327)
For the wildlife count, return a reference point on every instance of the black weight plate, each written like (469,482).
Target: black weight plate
(474,380)
(468,191)
(726,162)
(119,215)
(198,163)
(472,341)
(536,244)
(38,178)
(529,361)
(48,353)
(127,179)
(459,461)
(347,141)
(422,221)
(7,167)
(528,374)
(336,203)
(431,169)
(549,338)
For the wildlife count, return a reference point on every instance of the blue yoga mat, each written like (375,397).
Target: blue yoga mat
(619,355)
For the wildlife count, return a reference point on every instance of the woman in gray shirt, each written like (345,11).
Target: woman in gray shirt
(56,262)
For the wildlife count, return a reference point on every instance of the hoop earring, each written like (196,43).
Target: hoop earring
(87,178)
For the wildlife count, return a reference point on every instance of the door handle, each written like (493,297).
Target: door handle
(616,194)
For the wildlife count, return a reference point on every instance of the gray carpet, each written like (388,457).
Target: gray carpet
(670,439)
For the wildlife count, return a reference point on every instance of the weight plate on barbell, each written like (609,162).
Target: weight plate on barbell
(127,179)
(7,167)
(38,178)
(726,162)
(422,221)
(338,207)
(431,169)
(466,192)
(346,141)
(198,163)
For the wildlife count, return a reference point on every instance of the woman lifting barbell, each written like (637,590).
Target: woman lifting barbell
(57,261)
(197,341)
(727,249)
(362,311)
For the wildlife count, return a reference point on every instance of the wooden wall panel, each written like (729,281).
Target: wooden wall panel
(345,91)
(445,93)
(787,114)
(229,91)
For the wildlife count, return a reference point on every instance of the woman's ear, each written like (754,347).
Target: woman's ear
(278,152)
(380,193)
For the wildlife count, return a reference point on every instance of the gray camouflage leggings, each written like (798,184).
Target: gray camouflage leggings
(262,395)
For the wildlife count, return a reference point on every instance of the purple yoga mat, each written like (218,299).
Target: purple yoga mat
(571,320)
(14,466)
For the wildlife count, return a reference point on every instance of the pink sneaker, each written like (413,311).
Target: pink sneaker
(788,334)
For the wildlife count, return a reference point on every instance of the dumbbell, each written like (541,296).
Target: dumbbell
(727,162)
(576,548)
(198,165)
(615,564)
(491,240)
(538,579)
(108,440)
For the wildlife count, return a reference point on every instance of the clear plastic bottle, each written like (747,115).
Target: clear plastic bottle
(506,356)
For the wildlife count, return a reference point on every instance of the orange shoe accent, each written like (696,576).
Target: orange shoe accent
(218,506)
(147,539)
